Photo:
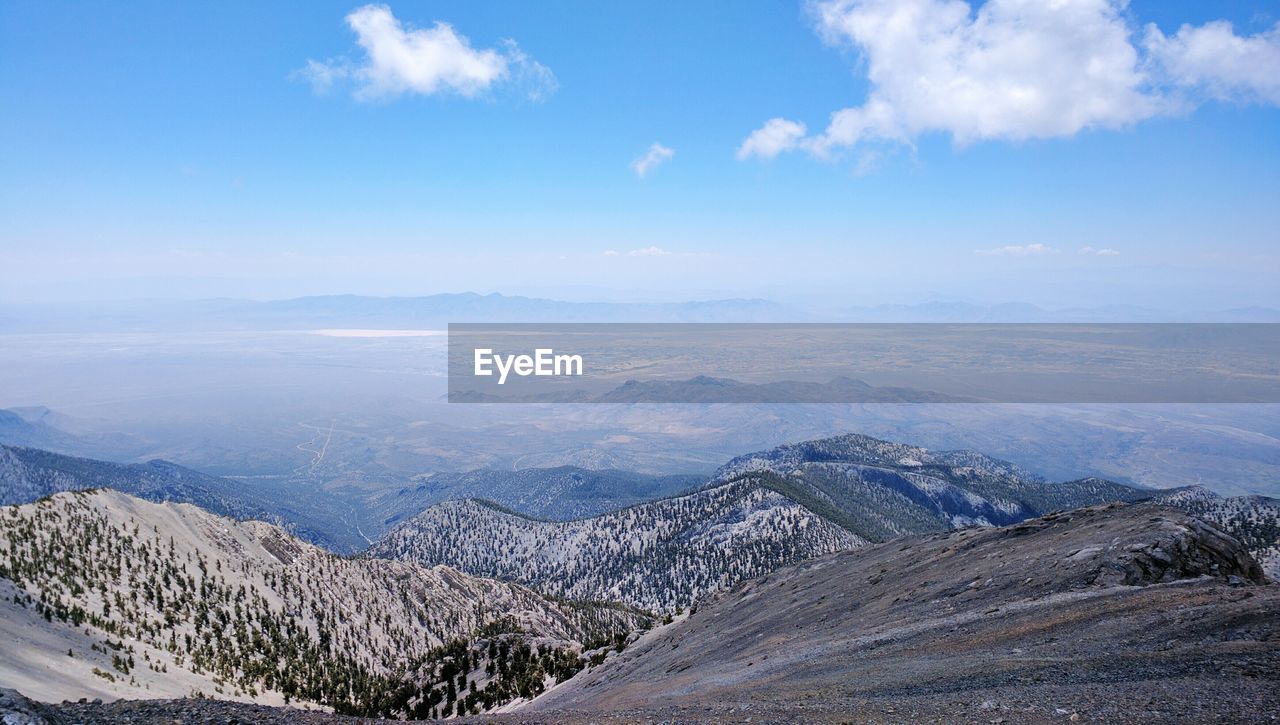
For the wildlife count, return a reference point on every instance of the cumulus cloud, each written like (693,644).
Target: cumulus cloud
(1104,252)
(1017,250)
(1015,70)
(1214,60)
(400,59)
(651,159)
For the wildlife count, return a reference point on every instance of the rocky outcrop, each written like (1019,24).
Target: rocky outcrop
(1182,549)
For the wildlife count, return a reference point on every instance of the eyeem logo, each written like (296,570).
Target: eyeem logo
(542,363)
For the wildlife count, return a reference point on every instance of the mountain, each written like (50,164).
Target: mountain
(28,474)
(878,489)
(104,594)
(561,493)
(660,556)
(40,427)
(23,430)
(759,512)
(842,492)
(963,312)
(1119,612)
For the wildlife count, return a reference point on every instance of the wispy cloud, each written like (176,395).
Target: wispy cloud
(1017,250)
(1103,252)
(1015,70)
(400,59)
(774,137)
(642,252)
(655,156)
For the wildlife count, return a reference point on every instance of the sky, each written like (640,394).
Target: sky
(1067,153)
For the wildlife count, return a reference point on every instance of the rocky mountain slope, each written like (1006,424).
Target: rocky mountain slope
(660,556)
(1122,612)
(103,594)
(561,493)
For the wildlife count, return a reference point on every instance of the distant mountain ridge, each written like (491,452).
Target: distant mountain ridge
(29,474)
(436,310)
(880,490)
(40,427)
(17,429)
(329,311)
(559,493)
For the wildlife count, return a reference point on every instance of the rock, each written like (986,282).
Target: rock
(16,709)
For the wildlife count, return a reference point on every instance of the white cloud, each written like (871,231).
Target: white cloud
(774,137)
(1104,252)
(321,76)
(1017,250)
(400,59)
(649,252)
(1015,70)
(1216,61)
(651,159)
(533,79)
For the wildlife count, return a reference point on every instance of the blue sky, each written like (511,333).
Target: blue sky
(179,150)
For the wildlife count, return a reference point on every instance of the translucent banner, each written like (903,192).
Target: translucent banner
(864,363)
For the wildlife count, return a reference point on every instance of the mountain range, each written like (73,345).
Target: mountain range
(1122,612)
(436,311)
(467,606)
(770,509)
